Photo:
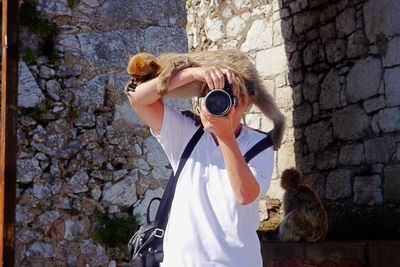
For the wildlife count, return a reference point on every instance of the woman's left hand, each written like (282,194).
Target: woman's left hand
(220,126)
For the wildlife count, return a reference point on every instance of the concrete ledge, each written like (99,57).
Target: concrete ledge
(368,253)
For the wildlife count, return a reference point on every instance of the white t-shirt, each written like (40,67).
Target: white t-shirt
(206,226)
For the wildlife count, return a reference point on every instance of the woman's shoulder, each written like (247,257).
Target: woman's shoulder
(251,132)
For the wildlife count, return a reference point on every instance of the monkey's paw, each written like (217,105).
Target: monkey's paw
(131,86)
(181,63)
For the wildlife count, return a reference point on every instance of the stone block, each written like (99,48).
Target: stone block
(277,33)
(392,89)
(367,190)
(28,169)
(91,94)
(29,93)
(392,184)
(155,154)
(311,87)
(356,45)
(255,40)
(374,104)
(305,20)
(364,79)
(311,53)
(392,56)
(302,114)
(55,8)
(121,193)
(326,160)
(213,29)
(272,61)
(338,184)
(318,135)
(381,16)
(327,32)
(350,123)
(335,50)
(330,91)
(235,26)
(78,182)
(389,119)
(285,156)
(346,22)
(125,113)
(108,48)
(284,97)
(379,149)
(351,154)
(70,43)
(91,3)
(121,14)
(317,181)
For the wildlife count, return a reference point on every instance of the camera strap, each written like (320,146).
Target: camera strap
(263,144)
(166,200)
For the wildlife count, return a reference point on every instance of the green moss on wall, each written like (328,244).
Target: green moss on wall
(114,232)
(45,29)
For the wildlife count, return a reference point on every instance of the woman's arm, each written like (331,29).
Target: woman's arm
(243,182)
(244,185)
(146,101)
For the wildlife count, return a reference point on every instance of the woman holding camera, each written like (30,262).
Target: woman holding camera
(214,213)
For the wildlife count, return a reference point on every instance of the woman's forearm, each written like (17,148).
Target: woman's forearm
(147,93)
(243,182)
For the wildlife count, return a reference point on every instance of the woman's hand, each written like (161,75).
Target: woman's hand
(220,126)
(213,76)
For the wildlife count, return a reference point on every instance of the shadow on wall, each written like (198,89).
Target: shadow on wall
(344,69)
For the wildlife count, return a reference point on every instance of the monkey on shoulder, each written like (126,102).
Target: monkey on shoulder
(146,66)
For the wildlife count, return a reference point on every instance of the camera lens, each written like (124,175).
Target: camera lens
(218,102)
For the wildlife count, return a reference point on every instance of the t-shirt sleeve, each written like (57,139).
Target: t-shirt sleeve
(262,166)
(176,131)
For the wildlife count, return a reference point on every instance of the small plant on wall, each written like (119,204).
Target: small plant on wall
(46,31)
(114,232)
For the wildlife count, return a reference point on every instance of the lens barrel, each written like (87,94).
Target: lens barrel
(218,102)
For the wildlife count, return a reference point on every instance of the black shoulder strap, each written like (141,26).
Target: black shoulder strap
(263,144)
(166,200)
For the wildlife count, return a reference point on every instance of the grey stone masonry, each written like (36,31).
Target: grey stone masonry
(81,147)
(392,184)
(333,67)
(367,190)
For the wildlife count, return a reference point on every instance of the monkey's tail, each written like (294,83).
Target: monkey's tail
(290,179)
(265,102)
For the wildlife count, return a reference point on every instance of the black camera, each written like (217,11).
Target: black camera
(220,101)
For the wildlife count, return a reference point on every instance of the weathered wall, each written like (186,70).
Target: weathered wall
(253,27)
(343,59)
(333,67)
(80,146)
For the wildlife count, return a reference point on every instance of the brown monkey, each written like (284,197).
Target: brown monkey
(305,215)
(145,66)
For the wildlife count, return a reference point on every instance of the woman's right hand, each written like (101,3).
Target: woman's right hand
(213,76)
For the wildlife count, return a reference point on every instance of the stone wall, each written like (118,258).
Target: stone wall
(80,146)
(333,67)
(253,27)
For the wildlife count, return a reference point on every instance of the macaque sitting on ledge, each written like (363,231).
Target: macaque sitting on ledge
(305,216)
(145,66)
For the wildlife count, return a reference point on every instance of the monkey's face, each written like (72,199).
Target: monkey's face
(143,67)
